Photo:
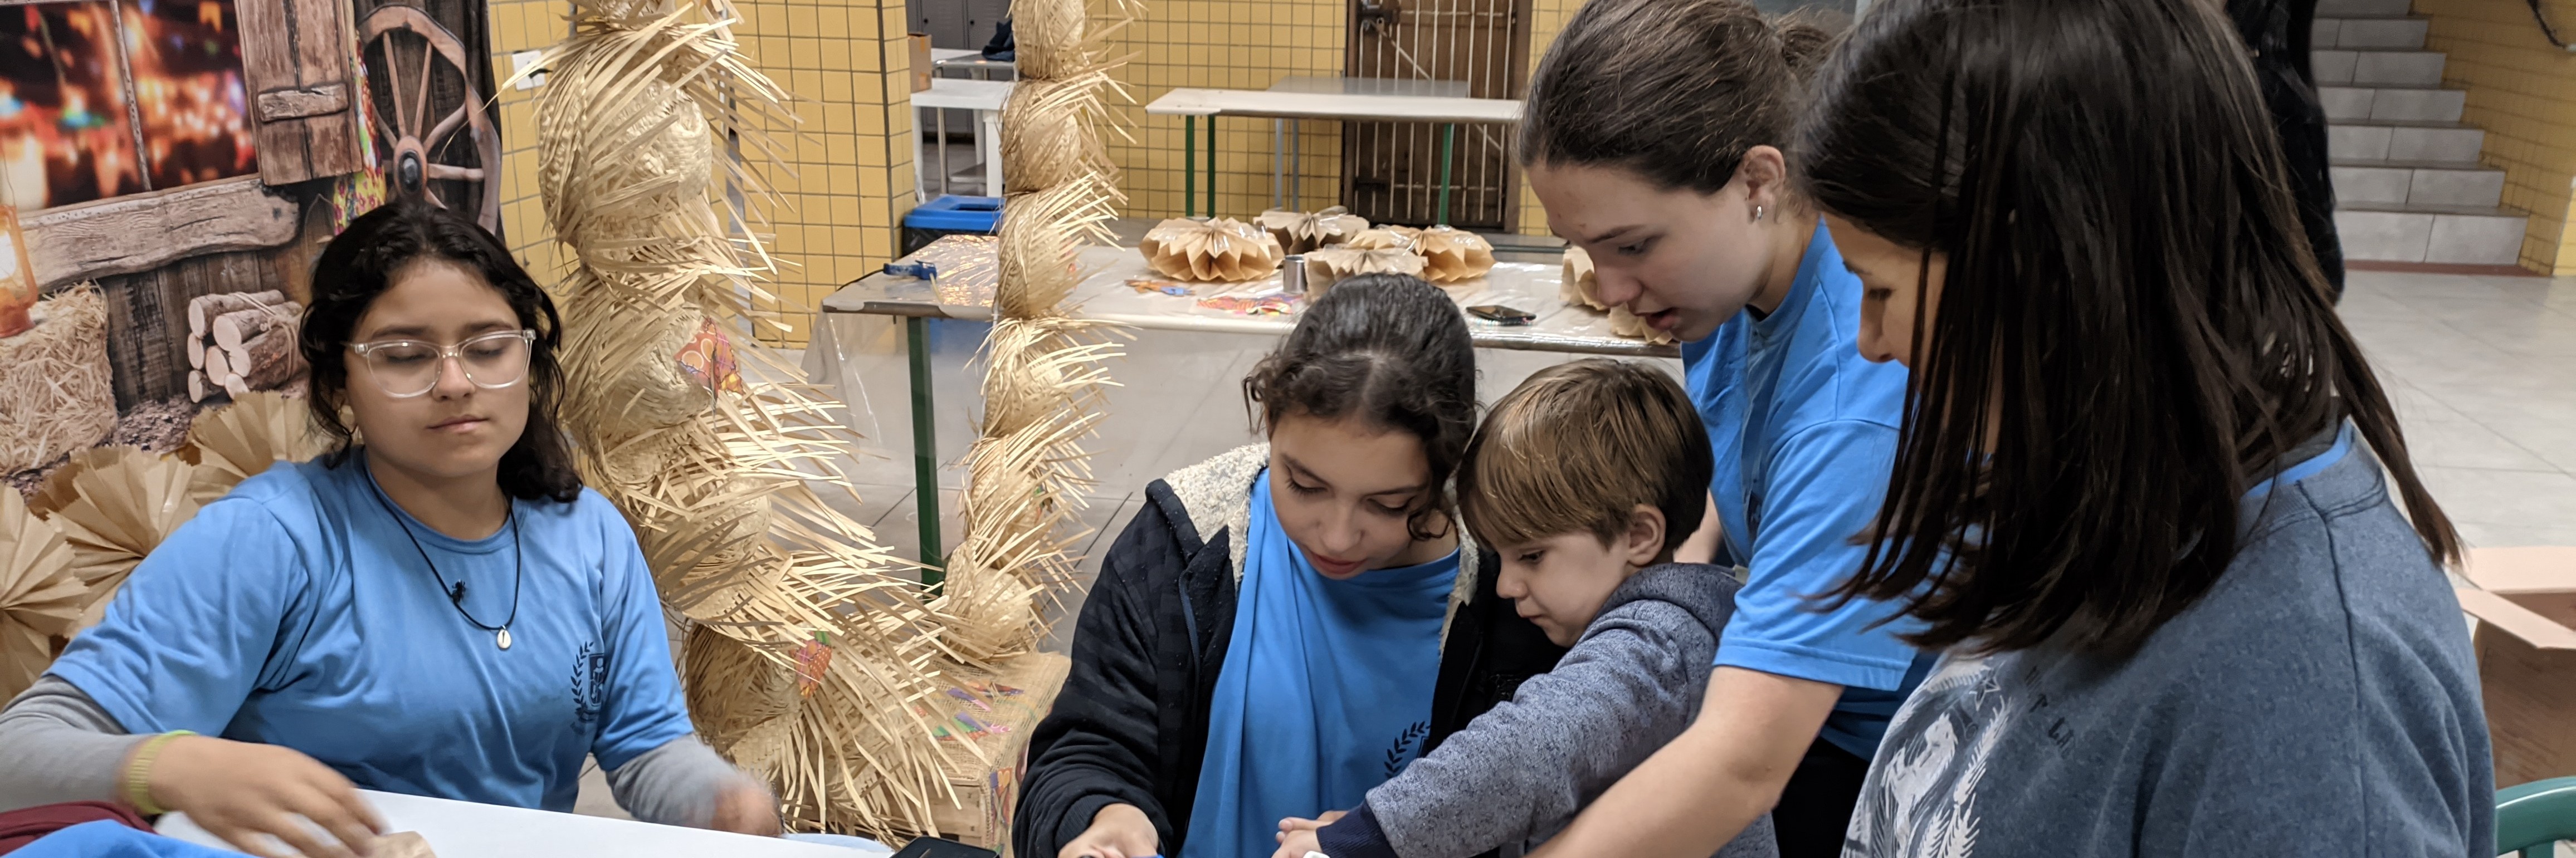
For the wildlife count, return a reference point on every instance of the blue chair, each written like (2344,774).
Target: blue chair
(2533,817)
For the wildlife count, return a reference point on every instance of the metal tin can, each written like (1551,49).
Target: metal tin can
(1292,275)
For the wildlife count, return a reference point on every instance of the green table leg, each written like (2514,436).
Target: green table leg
(1448,140)
(925,456)
(1211,184)
(1189,166)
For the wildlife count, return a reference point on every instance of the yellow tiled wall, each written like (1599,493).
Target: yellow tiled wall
(1224,44)
(1546,18)
(2522,90)
(525,25)
(847,178)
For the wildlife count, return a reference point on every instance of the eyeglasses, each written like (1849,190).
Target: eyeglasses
(408,368)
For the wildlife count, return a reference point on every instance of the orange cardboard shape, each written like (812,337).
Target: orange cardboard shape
(2525,604)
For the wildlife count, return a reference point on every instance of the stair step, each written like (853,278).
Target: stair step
(2461,235)
(2403,141)
(2362,8)
(2404,34)
(2377,67)
(2416,182)
(2400,103)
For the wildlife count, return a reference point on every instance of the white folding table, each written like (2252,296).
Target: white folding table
(968,60)
(985,97)
(1350,99)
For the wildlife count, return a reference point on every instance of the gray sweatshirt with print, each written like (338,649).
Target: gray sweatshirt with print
(1519,773)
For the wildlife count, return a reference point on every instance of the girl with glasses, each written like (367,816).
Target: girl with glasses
(434,607)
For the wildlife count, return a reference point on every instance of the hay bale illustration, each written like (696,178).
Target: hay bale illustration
(55,393)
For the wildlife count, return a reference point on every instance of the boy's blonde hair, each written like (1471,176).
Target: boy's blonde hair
(1577,447)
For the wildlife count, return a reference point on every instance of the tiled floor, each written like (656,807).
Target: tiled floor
(2483,370)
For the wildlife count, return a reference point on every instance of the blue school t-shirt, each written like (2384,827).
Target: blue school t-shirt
(1805,432)
(295,612)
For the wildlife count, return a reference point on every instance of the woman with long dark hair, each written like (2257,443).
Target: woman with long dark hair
(2148,499)
(1654,135)
(434,607)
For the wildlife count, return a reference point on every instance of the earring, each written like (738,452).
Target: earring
(1757,212)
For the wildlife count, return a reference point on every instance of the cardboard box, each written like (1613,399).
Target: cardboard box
(921,67)
(994,714)
(2525,604)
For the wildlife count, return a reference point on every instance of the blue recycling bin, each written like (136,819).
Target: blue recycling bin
(950,214)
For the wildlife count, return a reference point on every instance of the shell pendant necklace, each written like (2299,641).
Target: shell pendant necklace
(456,592)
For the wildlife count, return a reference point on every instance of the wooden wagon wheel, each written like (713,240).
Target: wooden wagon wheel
(415,141)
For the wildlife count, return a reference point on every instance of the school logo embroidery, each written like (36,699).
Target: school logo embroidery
(1408,745)
(1922,802)
(589,685)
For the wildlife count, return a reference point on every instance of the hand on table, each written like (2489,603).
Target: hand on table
(1297,836)
(239,791)
(1117,831)
(746,808)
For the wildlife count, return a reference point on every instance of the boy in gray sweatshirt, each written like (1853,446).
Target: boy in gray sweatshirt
(1584,479)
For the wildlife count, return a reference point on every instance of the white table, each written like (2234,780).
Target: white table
(457,829)
(1301,98)
(985,97)
(967,59)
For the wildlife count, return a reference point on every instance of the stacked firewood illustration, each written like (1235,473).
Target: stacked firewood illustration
(239,342)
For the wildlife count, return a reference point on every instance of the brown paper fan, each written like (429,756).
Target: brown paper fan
(1581,287)
(1627,324)
(1453,255)
(1300,232)
(241,440)
(1330,265)
(1221,250)
(40,598)
(126,500)
(1382,238)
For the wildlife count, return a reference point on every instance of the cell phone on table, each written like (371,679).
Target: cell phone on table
(1501,315)
(941,847)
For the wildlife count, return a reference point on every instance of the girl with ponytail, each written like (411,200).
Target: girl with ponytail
(1653,134)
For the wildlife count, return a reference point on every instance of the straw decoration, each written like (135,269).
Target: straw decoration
(1043,374)
(40,597)
(719,476)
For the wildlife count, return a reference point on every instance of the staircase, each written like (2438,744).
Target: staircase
(2408,184)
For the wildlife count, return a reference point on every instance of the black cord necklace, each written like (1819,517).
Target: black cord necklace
(456,592)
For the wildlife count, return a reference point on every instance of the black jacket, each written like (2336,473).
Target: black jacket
(2277,34)
(1131,725)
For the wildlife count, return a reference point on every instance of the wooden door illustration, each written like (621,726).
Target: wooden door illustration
(1471,48)
(430,91)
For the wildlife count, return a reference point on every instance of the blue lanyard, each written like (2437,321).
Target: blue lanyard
(2309,468)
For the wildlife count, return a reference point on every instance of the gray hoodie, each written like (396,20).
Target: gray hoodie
(1519,773)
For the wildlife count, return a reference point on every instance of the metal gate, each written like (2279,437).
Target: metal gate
(1391,171)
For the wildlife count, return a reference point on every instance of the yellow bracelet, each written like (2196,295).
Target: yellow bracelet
(138,774)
